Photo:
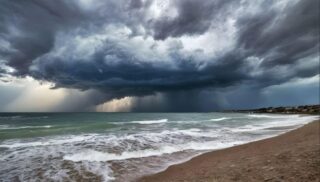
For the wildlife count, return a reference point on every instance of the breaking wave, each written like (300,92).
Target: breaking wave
(272,116)
(219,119)
(8,127)
(151,121)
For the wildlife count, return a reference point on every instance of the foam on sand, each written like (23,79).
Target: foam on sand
(97,156)
(292,122)
(92,155)
(100,169)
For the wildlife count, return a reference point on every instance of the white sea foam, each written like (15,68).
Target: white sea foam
(219,119)
(196,132)
(46,142)
(54,175)
(92,155)
(23,117)
(275,116)
(150,121)
(97,156)
(111,139)
(4,126)
(10,117)
(175,136)
(93,152)
(292,121)
(100,169)
(7,127)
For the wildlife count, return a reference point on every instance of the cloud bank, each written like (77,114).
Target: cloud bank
(179,52)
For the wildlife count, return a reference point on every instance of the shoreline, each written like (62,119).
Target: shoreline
(291,156)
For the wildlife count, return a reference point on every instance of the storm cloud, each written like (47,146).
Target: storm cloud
(183,51)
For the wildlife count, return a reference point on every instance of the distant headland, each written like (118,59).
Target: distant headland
(305,109)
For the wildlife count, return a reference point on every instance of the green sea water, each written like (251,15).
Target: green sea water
(121,146)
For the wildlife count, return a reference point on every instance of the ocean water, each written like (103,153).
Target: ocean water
(121,146)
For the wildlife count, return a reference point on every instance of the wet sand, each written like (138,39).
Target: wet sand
(293,156)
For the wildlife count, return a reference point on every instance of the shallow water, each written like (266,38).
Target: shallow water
(121,146)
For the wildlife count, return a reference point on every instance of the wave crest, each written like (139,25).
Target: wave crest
(272,116)
(7,127)
(150,121)
(219,119)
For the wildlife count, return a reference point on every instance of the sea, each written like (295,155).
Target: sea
(122,146)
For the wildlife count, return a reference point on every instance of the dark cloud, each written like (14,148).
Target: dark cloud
(2,72)
(271,42)
(193,17)
(136,4)
(75,101)
(283,36)
(134,78)
(31,26)
(179,101)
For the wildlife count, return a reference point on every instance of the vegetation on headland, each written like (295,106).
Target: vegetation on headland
(306,109)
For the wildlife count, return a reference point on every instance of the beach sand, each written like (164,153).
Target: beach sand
(293,156)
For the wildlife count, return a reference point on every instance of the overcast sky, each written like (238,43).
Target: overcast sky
(161,55)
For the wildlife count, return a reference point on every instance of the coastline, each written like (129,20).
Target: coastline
(305,109)
(292,156)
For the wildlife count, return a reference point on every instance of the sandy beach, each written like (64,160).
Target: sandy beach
(293,156)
